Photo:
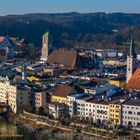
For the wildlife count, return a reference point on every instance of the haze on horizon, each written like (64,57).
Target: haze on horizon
(62,6)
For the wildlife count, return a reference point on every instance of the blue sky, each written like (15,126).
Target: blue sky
(60,6)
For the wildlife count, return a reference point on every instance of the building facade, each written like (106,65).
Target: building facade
(40,99)
(8,94)
(115,113)
(131,113)
(45,47)
(102,111)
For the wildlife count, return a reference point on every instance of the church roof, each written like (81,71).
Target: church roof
(67,58)
(134,82)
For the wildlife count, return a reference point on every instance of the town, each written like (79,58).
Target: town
(100,87)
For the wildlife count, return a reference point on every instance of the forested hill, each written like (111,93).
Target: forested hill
(74,29)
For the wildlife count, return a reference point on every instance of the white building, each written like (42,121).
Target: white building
(81,107)
(10,96)
(100,89)
(102,111)
(131,113)
(90,110)
(58,110)
(72,104)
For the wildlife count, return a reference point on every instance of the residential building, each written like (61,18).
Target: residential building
(115,112)
(72,104)
(102,111)
(131,113)
(81,107)
(8,94)
(40,99)
(57,110)
(90,109)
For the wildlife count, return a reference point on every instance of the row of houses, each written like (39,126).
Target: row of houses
(121,110)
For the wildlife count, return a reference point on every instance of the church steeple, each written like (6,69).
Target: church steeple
(45,47)
(132,49)
(131,59)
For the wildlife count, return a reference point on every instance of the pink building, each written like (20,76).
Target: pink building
(40,99)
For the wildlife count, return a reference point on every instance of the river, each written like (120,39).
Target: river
(9,128)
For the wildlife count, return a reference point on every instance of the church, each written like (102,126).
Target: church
(45,47)
(131,61)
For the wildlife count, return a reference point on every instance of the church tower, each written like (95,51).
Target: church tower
(131,61)
(45,47)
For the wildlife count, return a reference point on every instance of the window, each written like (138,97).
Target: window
(138,113)
(117,106)
(129,112)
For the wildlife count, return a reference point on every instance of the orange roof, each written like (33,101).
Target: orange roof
(134,82)
(62,90)
(1,38)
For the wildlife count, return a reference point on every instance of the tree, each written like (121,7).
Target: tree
(28,108)
(41,111)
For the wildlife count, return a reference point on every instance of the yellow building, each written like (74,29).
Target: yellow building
(59,99)
(118,83)
(115,113)
(60,94)
(32,78)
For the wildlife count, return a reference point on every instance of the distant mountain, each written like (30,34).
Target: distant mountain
(74,29)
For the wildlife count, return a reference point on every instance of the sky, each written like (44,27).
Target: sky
(61,6)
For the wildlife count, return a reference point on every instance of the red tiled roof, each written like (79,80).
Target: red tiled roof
(62,90)
(134,82)
(1,38)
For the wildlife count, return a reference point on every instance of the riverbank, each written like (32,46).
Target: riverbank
(44,129)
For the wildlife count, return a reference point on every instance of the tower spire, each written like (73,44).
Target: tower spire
(131,59)
(131,44)
(132,51)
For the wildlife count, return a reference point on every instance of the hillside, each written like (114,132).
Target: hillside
(95,30)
